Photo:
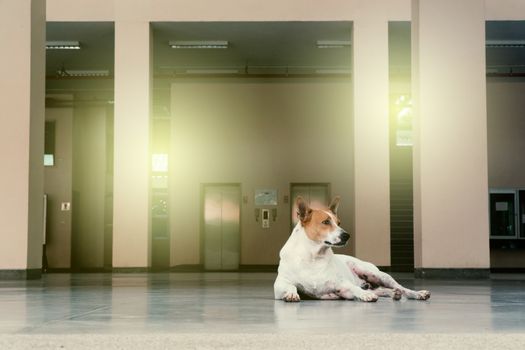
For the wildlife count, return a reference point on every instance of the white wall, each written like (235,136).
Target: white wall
(261,134)
(506,142)
(450,134)
(89,175)
(226,10)
(506,132)
(249,10)
(22,86)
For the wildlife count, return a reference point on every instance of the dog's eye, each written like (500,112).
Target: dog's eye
(326,222)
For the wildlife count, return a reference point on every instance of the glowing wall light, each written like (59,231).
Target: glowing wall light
(159,163)
(49,159)
(403,110)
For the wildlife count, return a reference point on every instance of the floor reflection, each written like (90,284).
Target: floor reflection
(243,303)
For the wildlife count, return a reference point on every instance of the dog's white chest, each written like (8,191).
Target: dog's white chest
(314,275)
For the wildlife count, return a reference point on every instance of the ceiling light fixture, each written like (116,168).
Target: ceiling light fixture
(82,73)
(212,71)
(333,44)
(214,44)
(62,45)
(505,44)
(333,71)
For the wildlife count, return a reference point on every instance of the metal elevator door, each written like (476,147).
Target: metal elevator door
(221,210)
(318,195)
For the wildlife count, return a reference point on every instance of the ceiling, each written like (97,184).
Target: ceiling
(255,47)
(97,40)
(252,45)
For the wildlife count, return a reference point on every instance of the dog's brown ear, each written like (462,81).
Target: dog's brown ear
(335,204)
(303,209)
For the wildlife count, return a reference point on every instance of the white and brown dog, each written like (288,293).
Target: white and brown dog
(308,265)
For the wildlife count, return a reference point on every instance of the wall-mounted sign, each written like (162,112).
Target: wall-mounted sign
(502,206)
(265,197)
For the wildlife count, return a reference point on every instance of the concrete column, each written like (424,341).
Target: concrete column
(22,87)
(451,232)
(131,153)
(371,134)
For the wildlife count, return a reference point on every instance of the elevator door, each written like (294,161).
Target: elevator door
(318,195)
(221,210)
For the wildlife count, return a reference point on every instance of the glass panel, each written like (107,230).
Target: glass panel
(502,215)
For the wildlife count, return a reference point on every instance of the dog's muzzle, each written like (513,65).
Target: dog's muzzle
(343,238)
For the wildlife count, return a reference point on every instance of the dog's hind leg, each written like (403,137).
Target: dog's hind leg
(387,292)
(350,292)
(371,273)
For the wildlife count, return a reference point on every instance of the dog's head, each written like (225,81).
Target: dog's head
(322,225)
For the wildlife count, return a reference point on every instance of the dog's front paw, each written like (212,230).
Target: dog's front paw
(423,295)
(367,296)
(291,297)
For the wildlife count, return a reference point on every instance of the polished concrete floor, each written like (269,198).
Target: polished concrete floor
(221,303)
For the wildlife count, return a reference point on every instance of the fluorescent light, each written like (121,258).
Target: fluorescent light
(62,45)
(333,71)
(214,44)
(333,44)
(83,73)
(505,43)
(212,71)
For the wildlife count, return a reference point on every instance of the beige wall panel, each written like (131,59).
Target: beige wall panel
(226,10)
(89,175)
(80,10)
(506,127)
(371,134)
(14,140)
(450,165)
(504,10)
(22,33)
(131,144)
(241,10)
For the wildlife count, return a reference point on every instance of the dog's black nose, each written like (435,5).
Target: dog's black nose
(344,236)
